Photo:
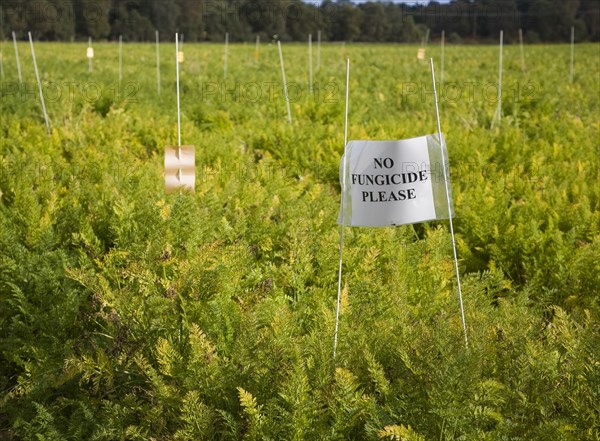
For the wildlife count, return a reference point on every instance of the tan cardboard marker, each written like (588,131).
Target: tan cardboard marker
(180,165)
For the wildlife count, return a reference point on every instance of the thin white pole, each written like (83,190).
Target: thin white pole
(257,48)
(226,55)
(90,67)
(37,76)
(178,99)
(158,63)
(572,70)
(522,51)
(318,51)
(443,48)
(446,180)
(1,45)
(339,292)
(285,88)
(310,64)
(120,58)
(499,107)
(14,36)
(500,80)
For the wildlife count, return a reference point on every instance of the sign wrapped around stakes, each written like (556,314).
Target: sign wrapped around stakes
(421,54)
(90,52)
(394,182)
(180,165)
(180,57)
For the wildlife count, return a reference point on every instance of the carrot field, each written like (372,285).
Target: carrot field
(127,313)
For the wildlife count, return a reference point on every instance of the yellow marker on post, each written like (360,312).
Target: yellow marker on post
(90,54)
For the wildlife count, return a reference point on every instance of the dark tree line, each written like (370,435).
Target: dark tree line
(208,20)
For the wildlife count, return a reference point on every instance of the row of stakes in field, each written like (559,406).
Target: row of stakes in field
(180,160)
(368,158)
(364,158)
(371,164)
(181,59)
(90,56)
(420,56)
(368,199)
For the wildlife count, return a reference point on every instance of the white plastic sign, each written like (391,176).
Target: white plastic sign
(394,182)
(90,52)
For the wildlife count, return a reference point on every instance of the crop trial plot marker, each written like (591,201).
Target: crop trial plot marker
(257,48)
(180,56)
(14,36)
(318,51)
(421,51)
(521,49)
(1,58)
(498,114)
(285,87)
(120,58)
(180,161)
(310,64)
(157,63)
(378,191)
(90,54)
(226,56)
(572,64)
(39,82)
(443,47)
(1,46)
